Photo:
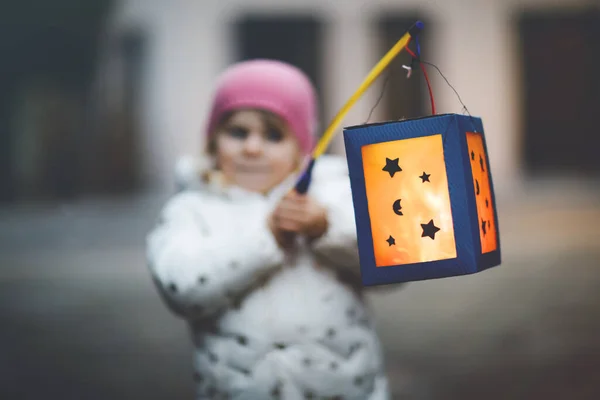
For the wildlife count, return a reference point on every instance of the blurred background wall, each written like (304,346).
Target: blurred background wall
(129,82)
(498,54)
(99,98)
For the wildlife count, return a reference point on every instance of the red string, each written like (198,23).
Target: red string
(426,78)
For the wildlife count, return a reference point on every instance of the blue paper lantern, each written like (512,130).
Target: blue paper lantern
(423,198)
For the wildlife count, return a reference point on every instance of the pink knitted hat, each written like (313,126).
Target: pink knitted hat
(270,85)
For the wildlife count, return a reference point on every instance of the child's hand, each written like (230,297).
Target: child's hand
(284,239)
(299,214)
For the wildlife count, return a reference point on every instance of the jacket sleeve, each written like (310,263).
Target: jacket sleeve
(339,243)
(201,268)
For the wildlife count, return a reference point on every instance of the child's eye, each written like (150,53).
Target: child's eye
(274,135)
(237,132)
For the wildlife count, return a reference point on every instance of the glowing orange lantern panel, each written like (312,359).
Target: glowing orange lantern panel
(408,200)
(483,193)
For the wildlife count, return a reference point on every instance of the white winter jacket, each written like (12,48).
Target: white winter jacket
(267,325)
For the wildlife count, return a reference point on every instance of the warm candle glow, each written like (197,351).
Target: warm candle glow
(483,193)
(408,201)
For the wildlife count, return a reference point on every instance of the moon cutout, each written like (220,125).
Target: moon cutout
(397,207)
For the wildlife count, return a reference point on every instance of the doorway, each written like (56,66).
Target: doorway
(50,54)
(561,87)
(402,98)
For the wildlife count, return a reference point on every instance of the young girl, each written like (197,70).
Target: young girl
(267,279)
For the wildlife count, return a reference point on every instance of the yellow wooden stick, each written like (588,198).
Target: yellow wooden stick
(322,145)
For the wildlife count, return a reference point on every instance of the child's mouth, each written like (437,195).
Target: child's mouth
(253,169)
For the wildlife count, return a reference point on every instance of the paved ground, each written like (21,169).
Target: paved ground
(79,318)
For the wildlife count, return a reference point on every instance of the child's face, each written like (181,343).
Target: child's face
(255,150)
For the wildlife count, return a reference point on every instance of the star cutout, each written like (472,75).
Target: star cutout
(481,163)
(425,177)
(429,229)
(484,227)
(391,241)
(472,155)
(476,187)
(391,166)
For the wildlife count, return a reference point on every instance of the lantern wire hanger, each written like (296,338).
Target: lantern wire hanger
(409,71)
(304,181)
(402,44)
(417,58)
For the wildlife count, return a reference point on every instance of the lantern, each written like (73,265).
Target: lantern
(423,198)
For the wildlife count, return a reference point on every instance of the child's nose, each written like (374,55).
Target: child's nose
(253,144)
